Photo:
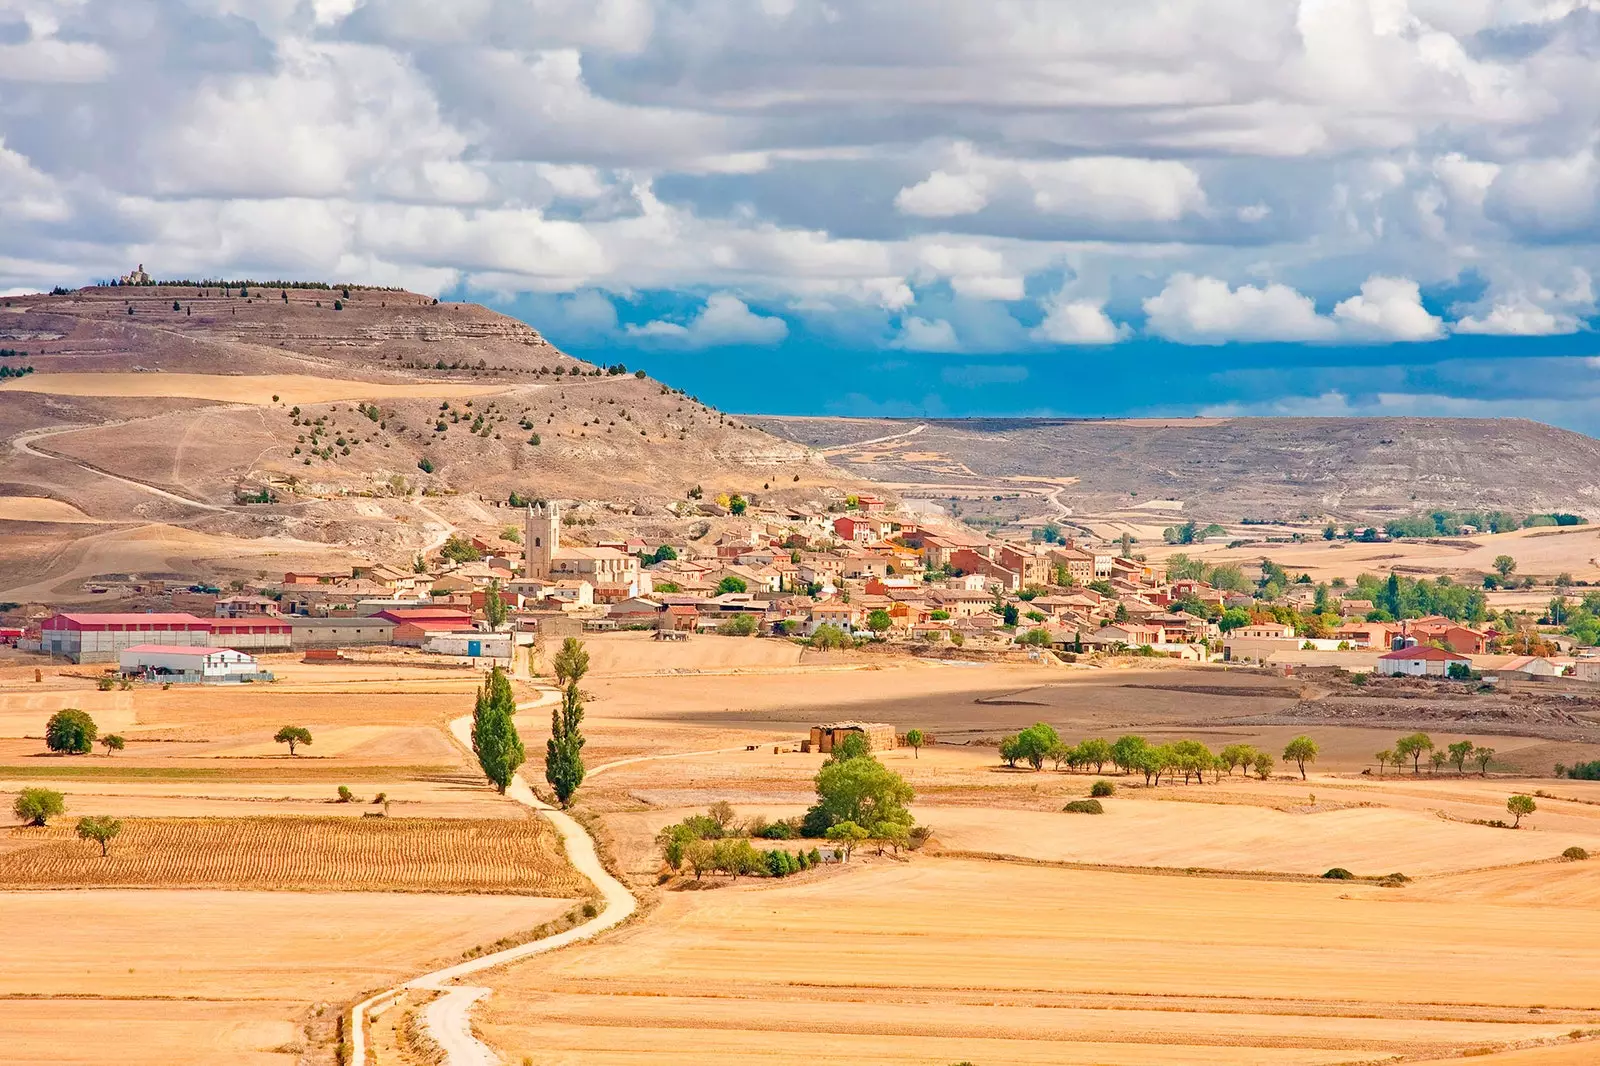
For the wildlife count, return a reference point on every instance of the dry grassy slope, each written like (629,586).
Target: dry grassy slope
(1231,468)
(610,437)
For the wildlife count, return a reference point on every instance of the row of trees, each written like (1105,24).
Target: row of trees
(1417,745)
(36,806)
(1134,754)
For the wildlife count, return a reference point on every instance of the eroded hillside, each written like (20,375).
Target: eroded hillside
(371,420)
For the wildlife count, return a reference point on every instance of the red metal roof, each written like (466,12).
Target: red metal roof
(239,625)
(77,620)
(1424,652)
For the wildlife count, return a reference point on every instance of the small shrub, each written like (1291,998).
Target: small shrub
(345,795)
(382,797)
(1394,880)
(1088,806)
(589,909)
(1102,789)
(1575,854)
(1339,873)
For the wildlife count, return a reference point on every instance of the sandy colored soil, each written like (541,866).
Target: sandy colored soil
(372,854)
(258,389)
(947,960)
(158,548)
(41,509)
(1541,551)
(163,978)
(616,654)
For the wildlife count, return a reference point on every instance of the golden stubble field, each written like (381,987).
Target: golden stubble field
(174,978)
(940,960)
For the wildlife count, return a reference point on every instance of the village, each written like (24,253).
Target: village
(857,571)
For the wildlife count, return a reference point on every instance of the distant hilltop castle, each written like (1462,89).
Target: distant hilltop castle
(137,276)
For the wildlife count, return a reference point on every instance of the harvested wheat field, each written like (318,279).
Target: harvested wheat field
(42,509)
(194,978)
(259,389)
(939,960)
(498,855)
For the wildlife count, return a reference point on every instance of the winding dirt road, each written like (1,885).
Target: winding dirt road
(448,1019)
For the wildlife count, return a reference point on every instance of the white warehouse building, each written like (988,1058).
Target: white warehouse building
(172,662)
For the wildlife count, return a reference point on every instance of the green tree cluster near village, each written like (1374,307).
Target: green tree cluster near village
(1133,754)
(563,761)
(495,740)
(1411,749)
(854,788)
(70,732)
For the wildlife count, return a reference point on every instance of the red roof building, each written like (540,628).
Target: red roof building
(1420,661)
(86,637)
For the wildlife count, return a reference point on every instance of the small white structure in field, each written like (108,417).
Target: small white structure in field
(171,662)
(471,645)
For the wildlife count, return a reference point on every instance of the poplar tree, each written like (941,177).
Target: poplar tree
(494,735)
(563,761)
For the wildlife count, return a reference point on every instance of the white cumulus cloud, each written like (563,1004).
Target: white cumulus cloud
(1080,321)
(724,321)
(1203,310)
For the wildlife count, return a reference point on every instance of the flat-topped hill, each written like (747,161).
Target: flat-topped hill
(1228,468)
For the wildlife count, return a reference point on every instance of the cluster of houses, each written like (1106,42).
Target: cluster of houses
(904,577)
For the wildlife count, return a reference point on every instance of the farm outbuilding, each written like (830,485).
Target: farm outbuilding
(880,735)
(87,637)
(1419,661)
(259,634)
(166,662)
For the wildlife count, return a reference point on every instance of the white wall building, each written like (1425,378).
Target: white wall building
(171,662)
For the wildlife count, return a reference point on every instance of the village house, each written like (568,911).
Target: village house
(1420,661)
(1456,637)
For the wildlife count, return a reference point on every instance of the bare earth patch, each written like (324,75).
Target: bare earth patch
(256,389)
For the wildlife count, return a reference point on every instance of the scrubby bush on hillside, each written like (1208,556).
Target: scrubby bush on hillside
(1101,789)
(1339,873)
(1088,806)
(1575,854)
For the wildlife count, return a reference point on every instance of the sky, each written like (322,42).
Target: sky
(941,207)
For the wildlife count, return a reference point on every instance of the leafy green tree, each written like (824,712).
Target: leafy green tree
(1095,750)
(1193,758)
(740,625)
(1233,618)
(879,621)
(1035,742)
(294,736)
(36,806)
(101,829)
(113,742)
(495,740)
(665,553)
(71,732)
(1239,755)
(1459,753)
(1505,565)
(1263,765)
(494,608)
(737,504)
(860,790)
(914,740)
(1125,752)
(1438,759)
(563,763)
(459,549)
(730,584)
(1481,756)
(847,835)
(828,636)
(1301,750)
(1519,807)
(1413,747)
(1038,637)
(1385,757)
